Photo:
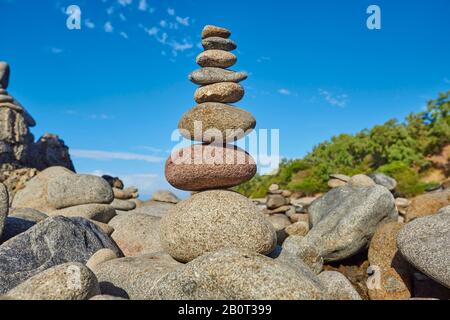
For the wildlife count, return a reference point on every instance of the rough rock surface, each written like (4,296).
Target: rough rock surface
(214,31)
(98,212)
(216,121)
(395,282)
(201,167)
(223,92)
(165,196)
(54,241)
(4,205)
(13,227)
(27,214)
(216,58)
(100,256)
(344,219)
(133,277)
(136,233)
(337,286)
(236,274)
(205,76)
(76,189)
(68,281)
(384,180)
(296,249)
(218,43)
(425,243)
(212,220)
(35,194)
(154,208)
(427,204)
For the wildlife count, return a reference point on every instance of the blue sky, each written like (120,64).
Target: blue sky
(116,89)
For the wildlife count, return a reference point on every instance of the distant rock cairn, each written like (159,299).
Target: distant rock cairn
(17,146)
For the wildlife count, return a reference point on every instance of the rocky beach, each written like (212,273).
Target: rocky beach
(71,236)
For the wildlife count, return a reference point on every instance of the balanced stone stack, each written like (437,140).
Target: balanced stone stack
(214,217)
(17,146)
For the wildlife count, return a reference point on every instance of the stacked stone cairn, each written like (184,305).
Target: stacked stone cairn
(125,199)
(214,217)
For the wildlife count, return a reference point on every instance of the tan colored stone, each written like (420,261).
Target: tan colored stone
(427,204)
(214,31)
(224,92)
(300,228)
(361,180)
(100,256)
(216,58)
(335,183)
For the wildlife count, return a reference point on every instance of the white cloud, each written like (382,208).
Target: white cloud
(110,11)
(107,155)
(143,5)
(183,21)
(55,50)
(122,17)
(334,100)
(285,92)
(163,23)
(181,46)
(171,11)
(108,27)
(101,116)
(88,23)
(125,2)
(123,35)
(152,31)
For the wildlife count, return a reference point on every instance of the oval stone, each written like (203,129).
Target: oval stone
(212,220)
(214,31)
(225,92)
(202,167)
(218,43)
(212,121)
(210,75)
(216,58)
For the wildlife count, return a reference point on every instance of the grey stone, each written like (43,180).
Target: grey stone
(71,190)
(123,205)
(136,233)
(215,219)
(211,75)
(28,214)
(339,176)
(100,256)
(13,227)
(4,75)
(384,180)
(218,43)
(344,220)
(275,201)
(105,297)
(338,287)
(133,277)
(98,212)
(425,243)
(154,208)
(298,252)
(35,195)
(51,242)
(236,274)
(279,222)
(55,284)
(216,58)
(165,196)
(4,205)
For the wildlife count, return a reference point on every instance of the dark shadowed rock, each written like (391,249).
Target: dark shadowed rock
(14,226)
(54,241)
(344,220)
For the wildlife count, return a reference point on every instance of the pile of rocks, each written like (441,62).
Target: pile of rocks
(215,217)
(17,147)
(125,199)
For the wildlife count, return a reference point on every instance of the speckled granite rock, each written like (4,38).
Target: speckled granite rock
(51,242)
(69,281)
(165,196)
(236,274)
(205,76)
(202,167)
(214,31)
(223,92)
(77,189)
(337,286)
(98,212)
(134,277)
(216,120)
(211,220)
(136,233)
(384,180)
(427,204)
(425,243)
(216,58)
(218,43)
(344,220)
(4,205)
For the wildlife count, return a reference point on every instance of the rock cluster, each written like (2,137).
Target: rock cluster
(17,146)
(214,218)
